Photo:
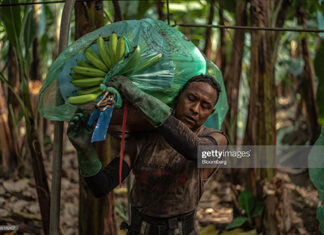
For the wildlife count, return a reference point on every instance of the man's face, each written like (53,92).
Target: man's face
(196,104)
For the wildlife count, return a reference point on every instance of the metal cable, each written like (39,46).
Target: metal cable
(49,2)
(250,28)
(185,25)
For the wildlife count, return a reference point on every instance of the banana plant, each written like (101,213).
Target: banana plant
(251,207)
(21,34)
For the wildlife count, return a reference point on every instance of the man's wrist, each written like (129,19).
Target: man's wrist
(89,163)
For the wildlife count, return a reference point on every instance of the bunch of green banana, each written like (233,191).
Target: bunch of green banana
(89,75)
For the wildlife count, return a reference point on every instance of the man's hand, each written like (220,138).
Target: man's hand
(154,109)
(119,82)
(79,132)
(124,86)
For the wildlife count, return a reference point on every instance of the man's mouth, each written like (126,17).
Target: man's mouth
(190,119)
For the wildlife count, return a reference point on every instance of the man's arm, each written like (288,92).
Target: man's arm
(100,181)
(176,133)
(108,178)
(185,141)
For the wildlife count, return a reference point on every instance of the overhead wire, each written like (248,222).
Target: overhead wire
(250,28)
(299,30)
(50,2)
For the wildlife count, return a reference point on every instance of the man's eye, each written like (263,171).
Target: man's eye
(191,98)
(206,106)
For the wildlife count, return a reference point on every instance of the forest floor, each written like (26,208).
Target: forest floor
(19,207)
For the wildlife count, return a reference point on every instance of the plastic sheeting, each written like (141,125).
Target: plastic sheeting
(181,60)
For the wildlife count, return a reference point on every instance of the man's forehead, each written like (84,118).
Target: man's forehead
(202,89)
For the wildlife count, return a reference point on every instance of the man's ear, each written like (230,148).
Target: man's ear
(213,111)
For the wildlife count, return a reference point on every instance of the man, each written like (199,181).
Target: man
(168,185)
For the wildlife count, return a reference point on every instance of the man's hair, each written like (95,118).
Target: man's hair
(200,78)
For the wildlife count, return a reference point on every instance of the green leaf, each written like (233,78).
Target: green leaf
(27,35)
(320,217)
(4,80)
(246,201)
(237,222)
(20,116)
(142,8)
(257,209)
(10,16)
(120,211)
(29,29)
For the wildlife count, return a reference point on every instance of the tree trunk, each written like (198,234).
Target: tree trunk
(13,109)
(261,123)
(6,144)
(308,82)
(117,11)
(36,79)
(88,17)
(34,146)
(220,59)
(159,7)
(35,73)
(233,73)
(260,128)
(208,35)
(96,215)
(39,174)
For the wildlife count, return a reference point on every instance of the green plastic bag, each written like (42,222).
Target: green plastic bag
(181,60)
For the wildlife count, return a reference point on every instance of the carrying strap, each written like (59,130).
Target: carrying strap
(122,143)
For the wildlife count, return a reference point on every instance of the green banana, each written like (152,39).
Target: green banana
(109,58)
(120,48)
(83,63)
(132,62)
(91,90)
(87,82)
(149,62)
(78,76)
(102,45)
(94,59)
(90,72)
(113,48)
(83,99)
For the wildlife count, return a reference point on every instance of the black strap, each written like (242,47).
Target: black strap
(107,179)
(161,225)
(211,139)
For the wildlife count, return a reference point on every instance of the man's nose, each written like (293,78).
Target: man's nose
(195,108)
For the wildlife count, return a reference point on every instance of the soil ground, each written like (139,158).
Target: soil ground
(19,207)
